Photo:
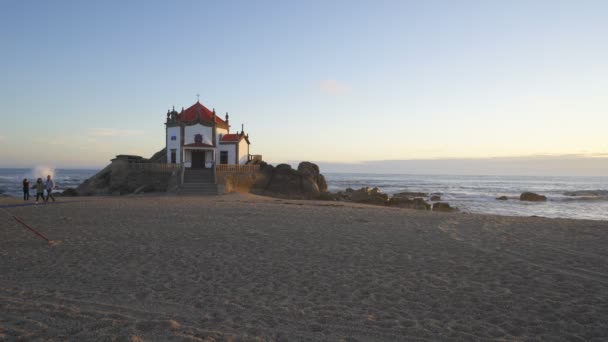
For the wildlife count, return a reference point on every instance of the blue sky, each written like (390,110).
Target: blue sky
(326,81)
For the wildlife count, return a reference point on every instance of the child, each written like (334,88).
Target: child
(26,189)
(39,189)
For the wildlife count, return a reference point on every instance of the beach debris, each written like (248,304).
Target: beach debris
(49,241)
(502,198)
(445,207)
(532,197)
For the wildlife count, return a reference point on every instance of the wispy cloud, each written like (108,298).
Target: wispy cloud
(114,132)
(333,87)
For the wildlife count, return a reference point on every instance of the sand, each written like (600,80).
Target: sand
(241,267)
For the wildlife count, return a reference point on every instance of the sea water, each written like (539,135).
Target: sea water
(568,197)
(11,180)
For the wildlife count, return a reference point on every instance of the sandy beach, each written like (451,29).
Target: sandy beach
(242,267)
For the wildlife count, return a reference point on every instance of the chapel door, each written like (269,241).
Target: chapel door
(198,159)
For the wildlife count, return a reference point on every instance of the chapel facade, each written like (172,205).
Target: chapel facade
(197,138)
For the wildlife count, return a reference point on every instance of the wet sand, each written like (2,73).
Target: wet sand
(242,267)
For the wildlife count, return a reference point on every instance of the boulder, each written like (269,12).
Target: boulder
(502,198)
(283,181)
(310,170)
(532,197)
(442,206)
(435,198)
(403,202)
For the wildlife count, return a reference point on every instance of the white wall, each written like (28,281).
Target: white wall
(231,148)
(173,144)
(243,152)
(191,131)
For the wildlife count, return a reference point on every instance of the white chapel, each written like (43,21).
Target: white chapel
(197,138)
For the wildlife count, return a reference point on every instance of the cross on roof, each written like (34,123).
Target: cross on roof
(198,97)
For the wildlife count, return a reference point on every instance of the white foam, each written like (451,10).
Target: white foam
(40,171)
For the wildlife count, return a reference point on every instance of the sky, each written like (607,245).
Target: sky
(344,83)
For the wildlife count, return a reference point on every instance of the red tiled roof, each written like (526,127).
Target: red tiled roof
(231,137)
(193,112)
(198,145)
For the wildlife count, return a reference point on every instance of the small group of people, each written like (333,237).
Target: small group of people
(40,187)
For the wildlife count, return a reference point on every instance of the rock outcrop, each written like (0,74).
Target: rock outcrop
(404,202)
(369,196)
(445,207)
(532,197)
(502,198)
(283,181)
(119,178)
(410,194)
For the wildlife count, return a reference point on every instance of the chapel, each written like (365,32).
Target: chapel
(197,138)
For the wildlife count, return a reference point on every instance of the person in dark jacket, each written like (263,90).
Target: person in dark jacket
(26,189)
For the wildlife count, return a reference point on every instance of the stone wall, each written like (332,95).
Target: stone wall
(241,181)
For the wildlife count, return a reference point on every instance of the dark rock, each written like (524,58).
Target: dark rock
(283,181)
(69,192)
(283,168)
(308,169)
(502,198)
(445,207)
(532,197)
(435,198)
(410,194)
(403,202)
(587,193)
(369,196)
(159,157)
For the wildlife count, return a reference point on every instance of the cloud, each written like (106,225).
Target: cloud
(333,87)
(114,132)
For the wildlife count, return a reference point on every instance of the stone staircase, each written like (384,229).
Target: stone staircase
(198,182)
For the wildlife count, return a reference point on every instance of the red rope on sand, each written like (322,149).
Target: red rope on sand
(32,229)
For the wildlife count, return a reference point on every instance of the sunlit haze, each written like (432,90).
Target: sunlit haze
(342,83)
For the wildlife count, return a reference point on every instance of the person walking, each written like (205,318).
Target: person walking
(39,186)
(49,186)
(26,189)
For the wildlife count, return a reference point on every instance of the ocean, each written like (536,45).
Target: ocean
(568,197)
(11,179)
